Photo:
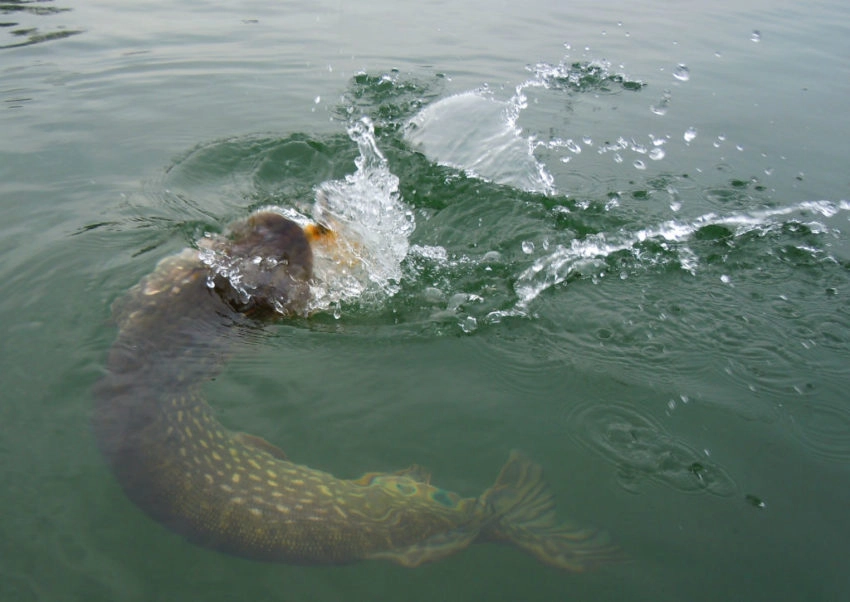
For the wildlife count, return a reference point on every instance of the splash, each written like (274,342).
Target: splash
(477,134)
(371,226)
(589,254)
(480,135)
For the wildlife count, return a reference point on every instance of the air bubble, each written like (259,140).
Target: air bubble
(690,134)
(656,154)
(755,36)
(681,72)
(527,247)
(639,164)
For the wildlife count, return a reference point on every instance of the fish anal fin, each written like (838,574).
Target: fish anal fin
(524,515)
(431,549)
(261,444)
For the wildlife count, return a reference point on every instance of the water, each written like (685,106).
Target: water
(611,235)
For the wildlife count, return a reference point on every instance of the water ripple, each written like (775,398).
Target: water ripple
(823,429)
(641,448)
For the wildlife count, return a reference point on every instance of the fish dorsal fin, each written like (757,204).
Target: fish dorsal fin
(261,444)
(416,473)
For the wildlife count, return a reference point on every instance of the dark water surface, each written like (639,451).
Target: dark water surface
(630,260)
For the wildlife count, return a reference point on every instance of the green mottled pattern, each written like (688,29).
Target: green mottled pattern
(238,493)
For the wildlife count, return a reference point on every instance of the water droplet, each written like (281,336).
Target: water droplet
(469,324)
(660,108)
(755,36)
(675,206)
(656,154)
(617,158)
(681,72)
(639,164)
(317,100)
(527,247)
(725,279)
(573,147)
(754,501)
(587,140)
(690,134)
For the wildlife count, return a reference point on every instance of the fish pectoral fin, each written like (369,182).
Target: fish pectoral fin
(261,444)
(431,549)
(415,472)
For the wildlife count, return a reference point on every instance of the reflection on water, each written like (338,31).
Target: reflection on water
(24,30)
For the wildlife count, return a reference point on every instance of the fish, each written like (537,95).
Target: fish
(239,494)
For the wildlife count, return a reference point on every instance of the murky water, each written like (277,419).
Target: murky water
(613,236)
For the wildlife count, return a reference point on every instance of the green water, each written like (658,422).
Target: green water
(667,333)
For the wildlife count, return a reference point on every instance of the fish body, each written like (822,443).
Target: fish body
(238,493)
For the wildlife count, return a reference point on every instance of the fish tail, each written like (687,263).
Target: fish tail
(523,513)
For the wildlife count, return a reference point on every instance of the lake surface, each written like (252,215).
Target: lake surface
(627,257)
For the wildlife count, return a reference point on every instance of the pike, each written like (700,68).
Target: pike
(239,494)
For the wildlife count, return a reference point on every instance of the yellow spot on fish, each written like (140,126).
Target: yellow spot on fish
(216,457)
(255,511)
(183,451)
(204,444)
(179,415)
(282,509)
(340,512)
(272,483)
(297,481)
(235,478)
(188,431)
(254,477)
(209,479)
(325,491)
(254,463)
(272,474)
